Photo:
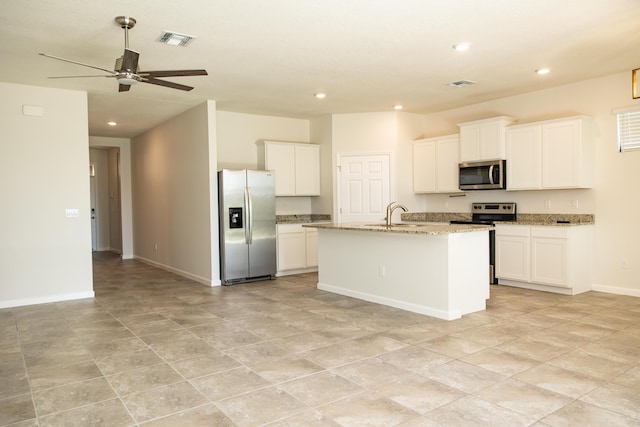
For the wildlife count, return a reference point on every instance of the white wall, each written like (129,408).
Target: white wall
(44,255)
(321,133)
(174,195)
(614,200)
(375,133)
(123,145)
(237,134)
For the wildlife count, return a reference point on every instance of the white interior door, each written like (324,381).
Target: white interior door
(363,192)
(92,195)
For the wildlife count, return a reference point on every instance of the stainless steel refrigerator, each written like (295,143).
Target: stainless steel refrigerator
(247,214)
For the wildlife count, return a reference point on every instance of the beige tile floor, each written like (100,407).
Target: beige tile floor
(155,349)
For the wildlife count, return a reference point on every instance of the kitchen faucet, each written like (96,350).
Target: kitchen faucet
(392,207)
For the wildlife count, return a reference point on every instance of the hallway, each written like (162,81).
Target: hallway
(156,349)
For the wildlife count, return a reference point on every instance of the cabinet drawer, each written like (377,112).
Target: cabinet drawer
(513,230)
(289,228)
(551,231)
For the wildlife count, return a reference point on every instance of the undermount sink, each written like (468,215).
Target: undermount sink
(399,224)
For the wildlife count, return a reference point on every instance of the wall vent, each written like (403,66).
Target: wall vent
(461,83)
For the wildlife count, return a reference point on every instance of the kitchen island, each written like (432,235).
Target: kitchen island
(433,269)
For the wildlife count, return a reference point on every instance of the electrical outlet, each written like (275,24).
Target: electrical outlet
(623,263)
(547,204)
(574,204)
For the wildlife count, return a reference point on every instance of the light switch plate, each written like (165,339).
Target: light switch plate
(72,213)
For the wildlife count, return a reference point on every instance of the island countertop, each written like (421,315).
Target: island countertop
(404,227)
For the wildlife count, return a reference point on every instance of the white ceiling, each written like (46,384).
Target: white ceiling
(270,57)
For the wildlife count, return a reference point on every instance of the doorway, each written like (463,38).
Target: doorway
(363,187)
(106,224)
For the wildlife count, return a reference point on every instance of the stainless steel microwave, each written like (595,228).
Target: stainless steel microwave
(486,175)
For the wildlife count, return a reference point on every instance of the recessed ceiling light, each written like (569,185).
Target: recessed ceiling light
(543,70)
(398,107)
(112,123)
(320,95)
(461,46)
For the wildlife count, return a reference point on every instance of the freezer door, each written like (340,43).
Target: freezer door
(262,223)
(234,254)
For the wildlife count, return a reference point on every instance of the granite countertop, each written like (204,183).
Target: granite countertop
(302,218)
(522,218)
(405,228)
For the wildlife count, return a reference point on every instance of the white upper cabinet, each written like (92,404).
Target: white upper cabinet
(568,155)
(553,154)
(435,165)
(524,157)
(297,167)
(484,139)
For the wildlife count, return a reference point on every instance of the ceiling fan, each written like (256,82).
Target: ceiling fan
(126,68)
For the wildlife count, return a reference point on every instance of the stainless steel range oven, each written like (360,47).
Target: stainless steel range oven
(489,214)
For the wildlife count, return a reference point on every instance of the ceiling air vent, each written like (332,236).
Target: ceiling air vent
(461,83)
(175,39)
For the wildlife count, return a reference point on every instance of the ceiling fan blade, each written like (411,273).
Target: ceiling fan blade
(129,61)
(79,63)
(74,77)
(123,88)
(172,85)
(174,73)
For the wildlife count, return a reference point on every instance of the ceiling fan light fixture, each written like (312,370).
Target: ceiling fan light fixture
(175,39)
(127,80)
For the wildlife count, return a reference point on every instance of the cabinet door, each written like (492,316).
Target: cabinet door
(312,247)
(307,170)
(513,256)
(291,247)
(469,143)
(524,158)
(424,167)
(281,159)
(549,261)
(448,157)
(561,154)
(491,141)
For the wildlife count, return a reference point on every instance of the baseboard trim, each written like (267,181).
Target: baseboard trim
(47,299)
(616,290)
(194,277)
(420,309)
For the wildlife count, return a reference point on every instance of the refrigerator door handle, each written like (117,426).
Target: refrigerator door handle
(249,226)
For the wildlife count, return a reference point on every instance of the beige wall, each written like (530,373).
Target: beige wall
(237,134)
(44,255)
(614,200)
(174,194)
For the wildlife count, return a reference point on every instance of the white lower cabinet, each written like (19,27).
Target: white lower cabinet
(549,258)
(513,252)
(297,249)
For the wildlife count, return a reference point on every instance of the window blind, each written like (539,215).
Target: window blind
(629,130)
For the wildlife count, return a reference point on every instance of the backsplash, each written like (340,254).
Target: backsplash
(538,219)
